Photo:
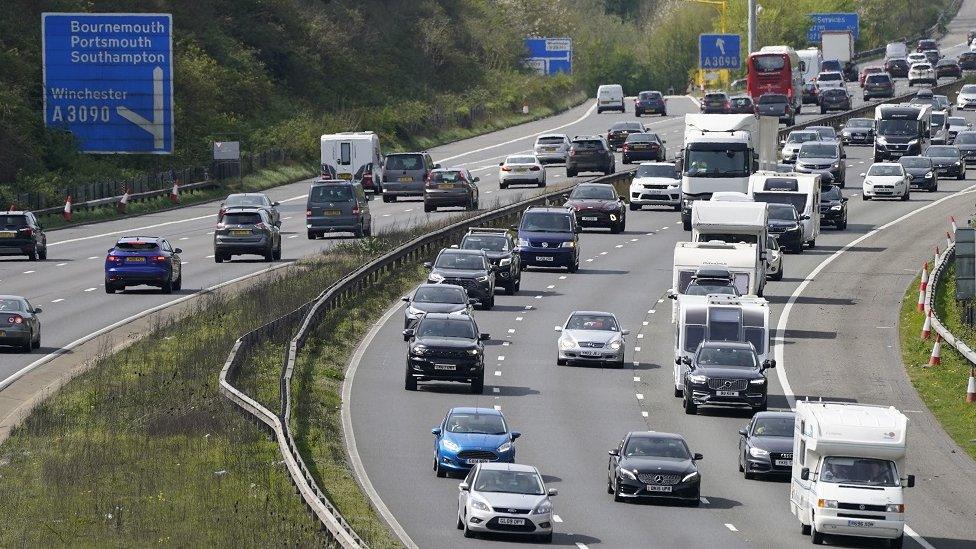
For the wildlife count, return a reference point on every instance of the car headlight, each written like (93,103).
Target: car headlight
(613,217)
(418,350)
(882,141)
(697,378)
(690,476)
(836,165)
(505,447)
(760,381)
(616,344)
(543,508)
(474,352)
(758,452)
(895,508)
(827,503)
(958,163)
(435,277)
(505,261)
(566,342)
(928,175)
(482,278)
(412,311)
(912,142)
(522,242)
(628,474)
(569,244)
(450,445)
(480,505)
(836,208)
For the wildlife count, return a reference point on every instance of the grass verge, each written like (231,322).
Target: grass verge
(942,388)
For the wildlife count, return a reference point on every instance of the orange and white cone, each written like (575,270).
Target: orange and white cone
(971,387)
(952,221)
(66,213)
(936,257)
(936,357)
(123,202)
(948,241)
(921,301)
(174,195)
(925,276)
(927,326)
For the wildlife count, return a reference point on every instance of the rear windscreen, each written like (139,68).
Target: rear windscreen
(13,221)
(243,218)
(550,141)
(446,177)
(405,162)
(587,145)
(331,193)
(797,200)
(136,246)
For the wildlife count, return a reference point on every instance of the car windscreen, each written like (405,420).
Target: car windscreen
(802,137)
(643,138)
(830,77)
(330,193)
(826,134)
(773,99)
(467,261)
(245,200)
(593,192)
(898,127)
(398,162)
(715,97)
(12,305)
(942,151)
(741,101)
(938,119)
(705,288)
(136,246)
(446,327)
(550,141)
(491,243)
(782,203)
(859,123)
(818,151)
(831,65)
(481,424)
(831,193)
(242,218)
(861,471)
(878,79)
(13,221)
(915,162)
(658,170)
(447,177)
(968,88)
(835,93)
(957,121)
(520,160)
(768,63)
(592,322)
(549,222)
(773,427)
(439,294)
(735,357)
(966,138)
(885,171)
(626,126)
(508,482)
(665,447)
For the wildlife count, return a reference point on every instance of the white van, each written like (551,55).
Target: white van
(802,190)
(846,476)
(896,50)
(610,97)
(353,156)
(812,61)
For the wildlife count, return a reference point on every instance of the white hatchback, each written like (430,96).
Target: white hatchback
(922,73)
(505,498)
(886,180)
(521,169)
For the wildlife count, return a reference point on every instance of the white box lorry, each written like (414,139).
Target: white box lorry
(721,151)
(839,45)
(743,223)
(847,471)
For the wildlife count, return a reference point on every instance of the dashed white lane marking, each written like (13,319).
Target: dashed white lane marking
(289,217)
(640,396)
(704,500)
(644,413)
(130,231)
(538,297)
(28,272)
(488,192)
(497,407)
(652,311)
(581,546)
(640,336)
(408,210)
(637,349)
(496,390)
(518,319)
(731,527)
(511,330)
(650,234)
(619,246)
(58,300)
(603,253)
(93,257)
(185,238)
(551,286)
(60,264)
(498,372)
(210,233)
(528,307)
(386,215)
(506,343)
(183,262)
(293,236)
(90,289)
(562,277)
(501,357)
(637,378)
(557,518)
(664,228)
(210,257)
(589,260)
(633,240)
(660,301)
(644,323)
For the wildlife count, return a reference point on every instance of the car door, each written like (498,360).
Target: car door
(39,236)
(35,322)
(463,494)
(267,219)
(613,462)
(174,259)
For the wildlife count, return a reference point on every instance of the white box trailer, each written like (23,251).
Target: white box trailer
(848,462)
(802,190)
(353,156)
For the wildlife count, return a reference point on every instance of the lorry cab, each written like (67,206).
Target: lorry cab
(846,476)
(353,156)
(800,190)
(734,223)
(718,317)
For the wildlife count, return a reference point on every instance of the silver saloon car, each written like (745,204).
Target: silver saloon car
(505,498)
(591,337)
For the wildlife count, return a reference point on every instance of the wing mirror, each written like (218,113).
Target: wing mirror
(476,179)
(516,434)
(910,481)
(501,163)
(178,250)
(805,473)
(686,360)
(428,265)
(743,432)
(484,337)
(861,174)
(624,332)
(553,492)
(804,217)
(437,166)
(672,294)
(407,334)
(276,204)
(436,431)
(614,452)
(405,299)
(697,457)
(463,487)
(37,310)
(472,301)
(558,328)
(769,363)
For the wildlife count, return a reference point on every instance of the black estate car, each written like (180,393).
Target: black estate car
(643,146)
(725,373)
(21,234)
(502,252)
(923,172)
(598,205)
(947,160)
(649,464)
(445,347)
(766,444)
(833,208)
(469,269)
(590,154)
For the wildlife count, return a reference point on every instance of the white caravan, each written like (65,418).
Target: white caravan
(718,318)
(353,156)
(802,190)
(848,467)
(738,259)
(734,223)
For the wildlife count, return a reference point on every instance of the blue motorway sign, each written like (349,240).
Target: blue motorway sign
(550,55)
(719,51)
(820,22)
(108,79)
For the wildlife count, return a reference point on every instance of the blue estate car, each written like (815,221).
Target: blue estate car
(472,435)
(143,260)
(548,237)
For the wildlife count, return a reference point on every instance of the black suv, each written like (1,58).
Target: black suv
(445,347)
(778,105)
(643,146)
(833,207)
(501,250)
(469,269)
(878,85)
(725,373)
(590,154)
(21,234)
(246,231)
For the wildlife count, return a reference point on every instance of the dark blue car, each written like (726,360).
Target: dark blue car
(472,435)
(143,260)
(549,237)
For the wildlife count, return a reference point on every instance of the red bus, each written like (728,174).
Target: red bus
(775,69)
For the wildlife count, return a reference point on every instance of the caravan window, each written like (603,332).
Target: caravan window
(694,335)
(345,154)
(684,279)
(723,324)
(730,238)
(741,282)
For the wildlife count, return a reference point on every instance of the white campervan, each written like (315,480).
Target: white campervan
(718,318)
(848,467)
(353,156)
(802,190)
(734,223)
(610,97)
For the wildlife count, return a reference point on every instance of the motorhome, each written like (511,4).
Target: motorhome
(802,190)
(720,152)
(848,470)
(718,318)
(734,223)
(901,130)
(353,156)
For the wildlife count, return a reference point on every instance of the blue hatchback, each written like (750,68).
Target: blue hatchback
(472,435)
(549,237)
(141,260)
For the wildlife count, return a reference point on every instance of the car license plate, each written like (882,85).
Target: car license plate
(727,393)
(638,147)
(472,461)
(544,258)
(450,367)
(521,170)
(591,353)
(550,149)
(784,463)
(447,186)
(333,213)
(135,260)
(511,521)
(406,179)
(346,176)
(7,234)
(240,233)
(656,488)
(863,523)
(589,218)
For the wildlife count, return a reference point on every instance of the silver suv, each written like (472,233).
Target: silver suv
(246,231)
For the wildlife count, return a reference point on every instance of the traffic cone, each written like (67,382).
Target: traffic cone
(925,276)
(921,301)
(971,388)
(174,195)
(936,257)
(948,241)
(66,213)
(936,357)
(123,202)
(927,326)
(525,108)
(952,221)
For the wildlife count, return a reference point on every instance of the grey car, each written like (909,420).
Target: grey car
(246,231)
(19,325)
(823,158)
(966,143)
(591,337)
(451,187)
(251,200)
(956,124)
(436,298)
(947,161)
(404,174)
(338,205)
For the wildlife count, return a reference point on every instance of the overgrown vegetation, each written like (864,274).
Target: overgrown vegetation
(943,387)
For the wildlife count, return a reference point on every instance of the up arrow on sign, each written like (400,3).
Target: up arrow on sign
(156,126)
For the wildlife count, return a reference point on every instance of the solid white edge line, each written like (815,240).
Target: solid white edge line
(351,449)
(918,539)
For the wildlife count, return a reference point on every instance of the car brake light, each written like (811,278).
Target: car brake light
(308,213)
(535,168)
(506,169)
(367,178)
(355,210)
(261,226)
(626,147)
(114,258)
(159,258)
(15,319)
(27,231)
(728,105)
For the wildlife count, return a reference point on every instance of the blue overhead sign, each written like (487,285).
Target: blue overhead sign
(550,55)
(108,79)
(719,51)
(820,22)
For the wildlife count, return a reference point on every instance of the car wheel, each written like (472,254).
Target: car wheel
(686,224)
(571,173)
(865,197)
(805,529)
(961,176)
(779,274)
(616,228)
(842,225)
(934,188)
(468,533)
(505,185)
(109,287)
(545,538)
(510,288)
(218,257)
(797,248)
(386,198)
(359,231)
(409,382)
(311,235)
(42,254)
(897,543)
(746,474)
(32,255)
(167,287)
(37,342)
(574,267)
(561,361)
(664,113)
(813,243)
(28,345)
(518,282)
(678,393)
(694,502)
(690,407)
(460,523)
(277,252)
(393,198)
(616,492)
(906,196)
(478,385)
(609,486)
(634,207)
(439,471)
(269,255)
(178,285)
(823,110)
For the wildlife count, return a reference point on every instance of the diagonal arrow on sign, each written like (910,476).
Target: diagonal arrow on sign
(154,127)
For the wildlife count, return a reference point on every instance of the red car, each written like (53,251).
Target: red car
(866,72)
